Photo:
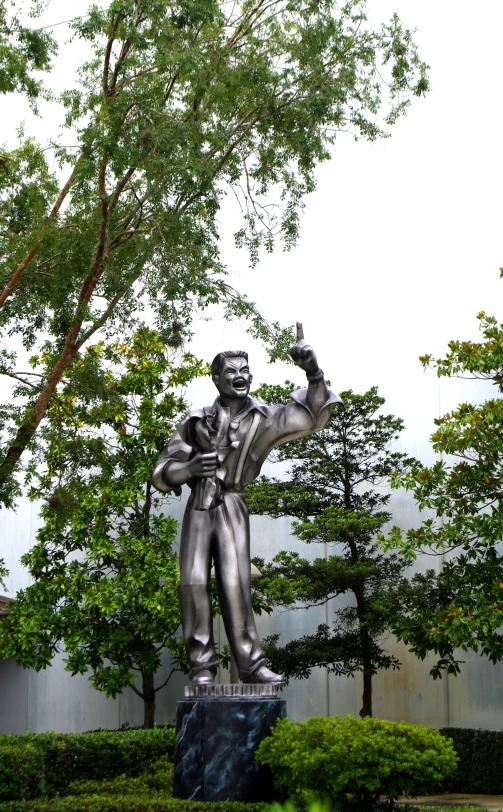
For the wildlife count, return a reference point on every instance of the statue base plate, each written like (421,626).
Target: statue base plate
(216,739)
(258,691)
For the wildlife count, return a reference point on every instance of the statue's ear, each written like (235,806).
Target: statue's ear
(214,378)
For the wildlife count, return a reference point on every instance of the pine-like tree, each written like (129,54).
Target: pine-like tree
(335,493)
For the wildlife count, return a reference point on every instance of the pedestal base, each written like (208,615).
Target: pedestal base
(215,745)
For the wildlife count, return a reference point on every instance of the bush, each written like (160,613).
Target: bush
(480,766)
(128,803)
(159,776)
(69,757)
(352,762)
(22,773)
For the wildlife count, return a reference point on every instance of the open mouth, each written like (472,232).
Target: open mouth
(240,386)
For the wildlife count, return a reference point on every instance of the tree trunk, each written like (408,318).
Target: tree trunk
(365,643)
(147,679)
(35,414)
(366,650)
(367,689)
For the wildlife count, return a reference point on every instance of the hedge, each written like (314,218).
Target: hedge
(480,766)
(68,757)
(128,803)
(159,775)
(22,771)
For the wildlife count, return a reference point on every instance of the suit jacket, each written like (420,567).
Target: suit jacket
(242,443)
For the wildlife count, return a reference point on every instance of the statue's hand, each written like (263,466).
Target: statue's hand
(203,465)
(303,354)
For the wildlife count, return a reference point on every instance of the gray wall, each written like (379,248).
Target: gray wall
(54,700)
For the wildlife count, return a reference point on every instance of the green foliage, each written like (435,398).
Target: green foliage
(3,573)
(26,188)
(333,491)
(352,762)
(463,609)
(23,51)
(73,757)
(105,577)
(480,765)
(159,776)
(176,106)
(22,773)
(153,802)
(320,806)
(289,806)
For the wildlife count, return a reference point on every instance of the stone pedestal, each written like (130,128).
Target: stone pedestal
(217,734)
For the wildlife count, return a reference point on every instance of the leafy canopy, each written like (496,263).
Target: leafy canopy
(463,489)
(23,51)
(105,575)
(178,104)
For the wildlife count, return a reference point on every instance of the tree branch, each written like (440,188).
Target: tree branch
(21,380)
(165,681)
(11,284)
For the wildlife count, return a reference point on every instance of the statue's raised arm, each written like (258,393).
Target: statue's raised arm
(305,357)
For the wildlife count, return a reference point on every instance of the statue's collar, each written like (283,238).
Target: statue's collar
(250,406)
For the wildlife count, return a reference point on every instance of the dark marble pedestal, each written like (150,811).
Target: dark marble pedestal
(216,739)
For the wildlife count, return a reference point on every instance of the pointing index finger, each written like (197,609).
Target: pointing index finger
(300,332)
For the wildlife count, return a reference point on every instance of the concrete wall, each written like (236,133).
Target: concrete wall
(54,700)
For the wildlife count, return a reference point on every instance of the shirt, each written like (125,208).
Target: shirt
(243,442)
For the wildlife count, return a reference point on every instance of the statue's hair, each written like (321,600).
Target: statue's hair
(216,364)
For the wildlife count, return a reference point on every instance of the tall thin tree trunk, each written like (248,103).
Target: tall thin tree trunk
(366,709)
(366,652)
(365,643)
(147,679)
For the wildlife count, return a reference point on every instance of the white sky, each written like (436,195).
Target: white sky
(400,245)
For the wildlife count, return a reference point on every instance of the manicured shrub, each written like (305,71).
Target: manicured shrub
(352,762)
(319,806)
(480,766)
(127,803)
(22,773)
(69,757)
(158,776)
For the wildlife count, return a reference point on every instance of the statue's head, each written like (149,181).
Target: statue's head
(231,374)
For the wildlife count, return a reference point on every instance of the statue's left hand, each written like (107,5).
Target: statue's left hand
(303,354)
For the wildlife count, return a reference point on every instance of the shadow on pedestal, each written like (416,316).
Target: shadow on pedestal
(215,745)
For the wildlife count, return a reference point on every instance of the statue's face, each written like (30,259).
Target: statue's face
(234,379)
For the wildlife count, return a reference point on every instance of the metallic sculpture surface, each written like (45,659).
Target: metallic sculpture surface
(217,451)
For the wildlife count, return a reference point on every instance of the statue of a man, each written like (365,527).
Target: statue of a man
(217,451)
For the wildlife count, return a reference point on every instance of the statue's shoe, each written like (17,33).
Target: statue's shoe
(203,678)
(264,676)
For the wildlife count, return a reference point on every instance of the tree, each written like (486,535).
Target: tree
(22,51)
(105,574)
(464,489)
(333,491)
(179,103)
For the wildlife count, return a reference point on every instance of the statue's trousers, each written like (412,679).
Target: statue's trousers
(221,534)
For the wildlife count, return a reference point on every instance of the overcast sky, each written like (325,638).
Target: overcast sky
(400,245)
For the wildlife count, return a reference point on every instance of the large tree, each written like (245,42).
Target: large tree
(333,491)
(105,574)
(179,103)
(464,492)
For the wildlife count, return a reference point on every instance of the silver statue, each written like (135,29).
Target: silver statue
(217,451)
